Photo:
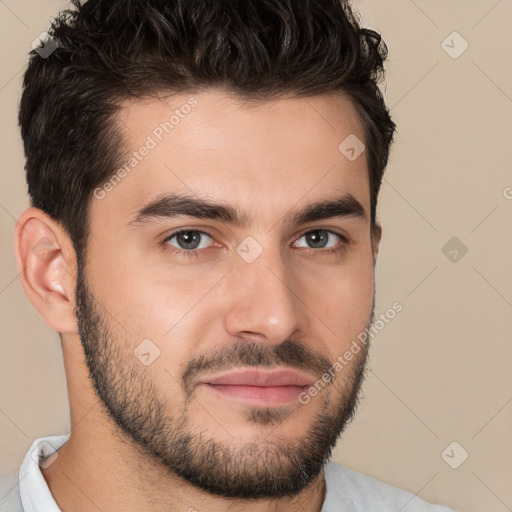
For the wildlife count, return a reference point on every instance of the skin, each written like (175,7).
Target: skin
(268,160)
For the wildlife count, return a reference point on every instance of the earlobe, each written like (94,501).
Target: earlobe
(46,264)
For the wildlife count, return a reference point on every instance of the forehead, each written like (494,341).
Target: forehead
(267,156)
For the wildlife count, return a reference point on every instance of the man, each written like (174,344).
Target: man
(202,234)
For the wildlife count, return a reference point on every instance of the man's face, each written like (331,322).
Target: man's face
(161,315)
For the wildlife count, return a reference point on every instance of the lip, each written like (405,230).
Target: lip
(261,378)
(259,388)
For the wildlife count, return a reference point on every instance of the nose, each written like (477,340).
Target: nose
(263,304)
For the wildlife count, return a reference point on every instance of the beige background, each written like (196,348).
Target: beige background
(441,368)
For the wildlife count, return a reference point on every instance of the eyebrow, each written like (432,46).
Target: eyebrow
(181,205)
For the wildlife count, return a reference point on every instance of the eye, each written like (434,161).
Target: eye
(188,240)
(323,239)
(192,242)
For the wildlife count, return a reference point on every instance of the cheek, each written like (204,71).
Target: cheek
(342,299)
(133,288)
(173,306)
(170,308)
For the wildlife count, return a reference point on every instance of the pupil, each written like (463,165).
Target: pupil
(187,238)
(317,238)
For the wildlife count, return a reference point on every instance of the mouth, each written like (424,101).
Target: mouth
(258,387)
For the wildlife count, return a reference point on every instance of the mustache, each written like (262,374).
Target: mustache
(241,353)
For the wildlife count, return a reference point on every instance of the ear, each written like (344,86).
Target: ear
(46,263)
(376,237)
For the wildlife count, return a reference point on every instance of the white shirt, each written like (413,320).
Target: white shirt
(346,490)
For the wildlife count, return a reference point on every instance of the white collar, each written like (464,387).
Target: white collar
(34,491)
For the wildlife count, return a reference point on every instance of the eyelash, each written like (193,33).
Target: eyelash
(198,252)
